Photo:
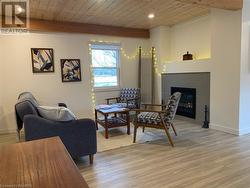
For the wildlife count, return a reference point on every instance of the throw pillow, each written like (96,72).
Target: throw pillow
(56,113)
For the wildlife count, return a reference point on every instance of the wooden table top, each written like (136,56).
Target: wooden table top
(41,163)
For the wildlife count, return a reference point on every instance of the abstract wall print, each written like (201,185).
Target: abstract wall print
(71,70)
(42,60)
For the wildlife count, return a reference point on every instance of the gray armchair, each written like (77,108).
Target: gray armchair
(78,136)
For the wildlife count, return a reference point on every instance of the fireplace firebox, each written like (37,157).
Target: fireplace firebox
(187,104)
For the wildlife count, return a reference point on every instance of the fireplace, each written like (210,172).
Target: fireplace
(187,104)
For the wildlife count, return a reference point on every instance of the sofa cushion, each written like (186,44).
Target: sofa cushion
(56,113)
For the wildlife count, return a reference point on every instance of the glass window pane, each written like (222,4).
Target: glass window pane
(104,58)
(105,77)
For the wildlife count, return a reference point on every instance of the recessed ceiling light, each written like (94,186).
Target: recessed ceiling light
(150,16)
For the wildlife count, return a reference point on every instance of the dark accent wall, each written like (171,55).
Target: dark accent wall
(200,81)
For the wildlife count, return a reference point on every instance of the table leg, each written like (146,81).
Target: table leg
(106,126)
(128,123)
(96,124)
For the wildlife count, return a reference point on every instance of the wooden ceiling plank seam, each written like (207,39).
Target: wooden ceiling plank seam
(82,11)
(121,7)
(138,10)
(144,10)
(103,10)
(94,6)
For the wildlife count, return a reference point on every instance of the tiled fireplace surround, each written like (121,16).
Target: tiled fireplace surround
(199,83)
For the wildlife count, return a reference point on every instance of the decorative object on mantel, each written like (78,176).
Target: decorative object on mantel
(42,60)
(71,70)
(187,56)
(206,122)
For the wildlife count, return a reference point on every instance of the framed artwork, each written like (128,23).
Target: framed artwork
(42,60)
(71,70)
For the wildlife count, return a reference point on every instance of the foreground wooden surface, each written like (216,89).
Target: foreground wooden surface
(41,163)
(200,159)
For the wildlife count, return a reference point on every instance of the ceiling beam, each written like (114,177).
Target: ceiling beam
(221,4)
(71,27)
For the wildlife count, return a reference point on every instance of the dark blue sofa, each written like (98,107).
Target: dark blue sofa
(78,136)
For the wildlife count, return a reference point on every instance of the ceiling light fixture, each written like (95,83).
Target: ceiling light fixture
(150,16)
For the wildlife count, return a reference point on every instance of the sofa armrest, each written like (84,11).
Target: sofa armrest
(78,136)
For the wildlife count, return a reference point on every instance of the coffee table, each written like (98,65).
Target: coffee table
(114,116)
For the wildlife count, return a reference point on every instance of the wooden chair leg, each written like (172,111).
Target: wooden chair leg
(135,131)
(172,125)
(169,136)
(91,158)
(106,127)
(96,124)
(166,130)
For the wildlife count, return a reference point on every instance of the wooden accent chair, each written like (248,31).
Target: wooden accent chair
(129,98)
(158,119)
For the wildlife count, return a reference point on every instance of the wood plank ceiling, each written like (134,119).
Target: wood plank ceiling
(126,13)
(221,4)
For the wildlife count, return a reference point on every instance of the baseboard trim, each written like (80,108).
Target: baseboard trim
(224,129)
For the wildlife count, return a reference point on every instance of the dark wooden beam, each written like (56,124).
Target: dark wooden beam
(70,27)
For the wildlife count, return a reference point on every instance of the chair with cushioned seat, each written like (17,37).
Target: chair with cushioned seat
(129,98)
(158,119)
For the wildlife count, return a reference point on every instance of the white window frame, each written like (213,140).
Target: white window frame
(99,46)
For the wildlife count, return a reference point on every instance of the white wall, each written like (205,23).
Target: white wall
(225,79)
(172,42)
(219,36)
(17,76)
(193,36)
(245,70)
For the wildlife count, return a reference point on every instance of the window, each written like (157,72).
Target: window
(105,63)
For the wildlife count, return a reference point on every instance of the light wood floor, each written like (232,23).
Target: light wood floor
(200,159)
